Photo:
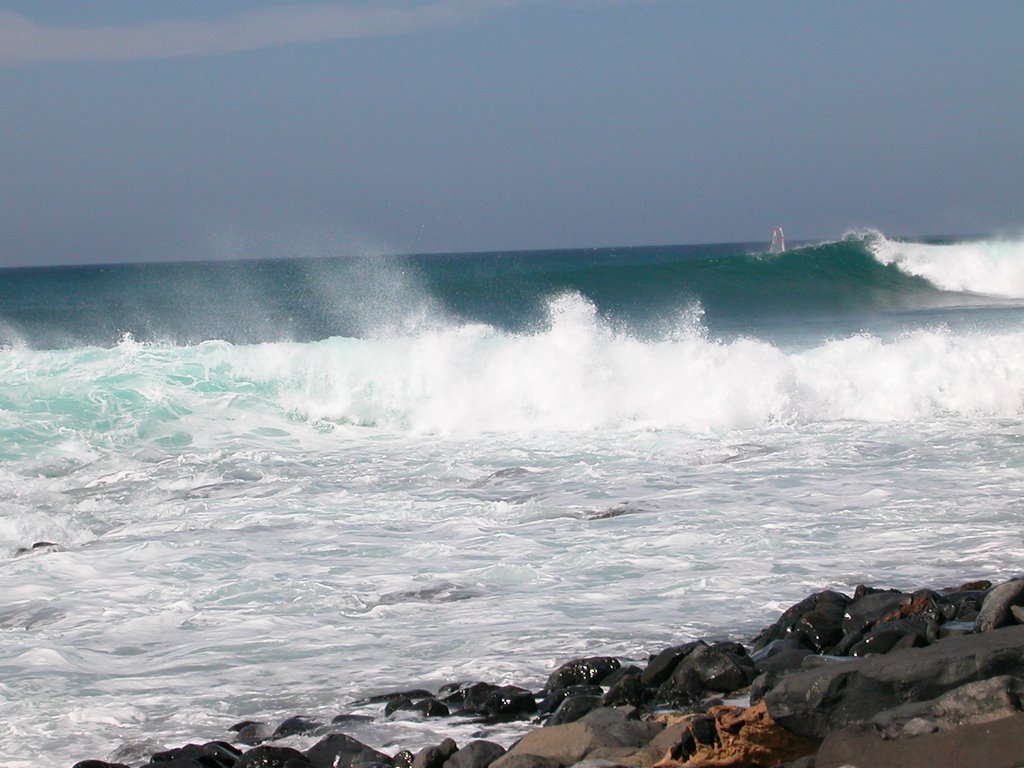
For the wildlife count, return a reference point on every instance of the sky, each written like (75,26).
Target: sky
(151,130)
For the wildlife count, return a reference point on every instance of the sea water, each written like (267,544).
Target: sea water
(279,487)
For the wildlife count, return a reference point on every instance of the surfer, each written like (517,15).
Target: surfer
(778,241)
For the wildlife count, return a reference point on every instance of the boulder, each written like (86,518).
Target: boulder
(603,732)
(475,754)
(661,666)
(996,609)
(215,754)
(814,702)
(824,606)
(573,708)
(342,751)
(592,669)
(719,668)
(294,726)
(435,757)
(273,757)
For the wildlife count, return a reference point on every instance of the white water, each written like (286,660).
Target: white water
(281,529)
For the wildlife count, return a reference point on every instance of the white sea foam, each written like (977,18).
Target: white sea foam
(992,267)
(280,529)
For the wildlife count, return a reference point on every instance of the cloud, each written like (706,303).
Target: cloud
(23,40)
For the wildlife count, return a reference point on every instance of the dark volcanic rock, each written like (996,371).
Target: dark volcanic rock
(508,702)
(868,609)
(660,667)
(812,620)
(719,668)
(995,610)
(592,669)
(628,690)
(475,754)
(341,751)
(273,757)
(470,697)
(215,754)
(293,726)
(573,708)
(429,707)
(555,698)
(814,702)
(251,732)
(98,764)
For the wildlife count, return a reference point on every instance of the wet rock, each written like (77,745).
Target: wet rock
(868,609)
(525,761)
(822,607)
(215,754)
(294,726)
(435,756)
(553,700)
(814,702)
(98,764)
(251,732)
(475,754)
(470,698)
(719,668)
(628,690)
(273,757)
(592,669)
(995,610)
(38,548)
(573,708)
(660,667)
(508,702)
(429,707)
(341,751)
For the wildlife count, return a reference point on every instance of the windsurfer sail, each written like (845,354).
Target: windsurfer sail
(778,241)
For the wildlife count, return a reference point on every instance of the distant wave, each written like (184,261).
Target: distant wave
(642,291)
(988,267)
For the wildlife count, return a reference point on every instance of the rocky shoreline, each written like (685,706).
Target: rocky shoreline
(875,679)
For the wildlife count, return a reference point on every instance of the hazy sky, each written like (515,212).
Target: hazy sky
(135,130)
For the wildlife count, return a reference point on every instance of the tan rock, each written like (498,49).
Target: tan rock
(746,738)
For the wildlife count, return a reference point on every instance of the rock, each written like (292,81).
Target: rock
(982,701)
(994,744)
(600,733)
(555,698)
(215,754)
(273,757)
(475,754)
(719,668)
(660,667)
(525,761)
(995,610)
(628,690)
(573,708)
(814,702)
(592,669)
(98,764)
(824,604)
(867,610)
(429,707)
(508,702)
(741,738)
(341,751)
(470,697)
(293,726)
(251,732)
(435,757)
(38,548)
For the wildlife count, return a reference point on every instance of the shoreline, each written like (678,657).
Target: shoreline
(709,703)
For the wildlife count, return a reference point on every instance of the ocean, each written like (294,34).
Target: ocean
(278,487)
